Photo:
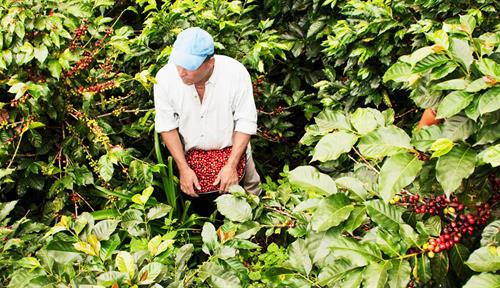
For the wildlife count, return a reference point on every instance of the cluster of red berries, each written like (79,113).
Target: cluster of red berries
(256,86)
(207,164)
(74,197)
(266,134)
(82,64)
(79,33)
(21,100)
(98,88)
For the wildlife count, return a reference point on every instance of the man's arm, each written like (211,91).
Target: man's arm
(228,174)
(188,179)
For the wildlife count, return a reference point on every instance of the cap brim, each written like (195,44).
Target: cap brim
(186,60)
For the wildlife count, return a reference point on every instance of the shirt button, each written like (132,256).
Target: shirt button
(201,135)
(201,116)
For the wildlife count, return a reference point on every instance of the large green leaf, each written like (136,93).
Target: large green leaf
(399,275)
(5,208)
(443,70)
(218,277)
(150,272)
(440,265)
(318,245)
(483,280)
(356,218)
(429,62)
(365,120)
(399,72)
(385,141)
(491,234)
(453,103)
(488,134)
(419,54)
(458,128)
(485,259)
(125,263)
(332,145)
(234,208)
(423,139)
(387,216)
(477,85)
(454,166)
(308,177)
(462,52)
(386,241)
(358,253)
(104,229)
(376,274)
(459,253)
(298,257)
(491,155)
(397,172)
(331,211)
(158,211)
(422,269)
(489,101)
(454,84)
(335,272)
(209,237)
(489,68)
(354,185)
(329,120)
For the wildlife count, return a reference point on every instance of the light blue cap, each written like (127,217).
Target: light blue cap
(192,46)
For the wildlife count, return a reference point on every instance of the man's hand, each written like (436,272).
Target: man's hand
(189,182)
(226,177)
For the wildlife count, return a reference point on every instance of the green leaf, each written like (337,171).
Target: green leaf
(121,45)
(55,68)
(234,208)
(440,265)
(331,211)
(209,237)
(453,103)
(318,246)
(441,146)
(354,185)
(453,167)
(125,263)
(328,120)
(483,280)
(375,274)
(458,128)
(459,253)
(315,27)
(337,271)
(309,178)
(218,277)
(104,229)
(6,208)
(425,137)
(488,134)
(491,233)
(490,155)
(387,216)
(485,259)
(298,257)
(462,52)
(422,269)
(397,172)
(398,72)
(106,167)
(385,141)
(143,198)
(443,70)
(420,54)
(432,226)
(429,62)
(489,101)
(477,85)
(152,271)
(359,254)
(356,218)
(331,146)
(111,277)
(158,211)
(399,275)
(468,22)
(365,120)
(489,68)
(41,53)
(454,84)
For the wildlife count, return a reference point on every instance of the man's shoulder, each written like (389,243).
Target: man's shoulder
(165,73)
(231,63)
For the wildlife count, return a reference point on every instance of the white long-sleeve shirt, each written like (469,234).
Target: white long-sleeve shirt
(228,105)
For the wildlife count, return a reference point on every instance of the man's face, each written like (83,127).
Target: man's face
(190,77)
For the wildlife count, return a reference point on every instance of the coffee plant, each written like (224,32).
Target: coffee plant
(355,193)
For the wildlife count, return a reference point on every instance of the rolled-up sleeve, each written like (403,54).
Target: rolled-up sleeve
(245,114)
(165,119)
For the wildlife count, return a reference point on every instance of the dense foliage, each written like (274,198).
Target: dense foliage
(88,195)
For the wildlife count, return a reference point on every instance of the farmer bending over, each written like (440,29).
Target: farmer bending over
(205,113)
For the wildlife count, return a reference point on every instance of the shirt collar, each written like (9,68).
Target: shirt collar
(213,77)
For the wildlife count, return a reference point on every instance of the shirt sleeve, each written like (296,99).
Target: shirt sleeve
(245,114)
(165,117)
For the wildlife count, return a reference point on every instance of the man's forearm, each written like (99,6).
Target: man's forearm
(173,142)
(240,143)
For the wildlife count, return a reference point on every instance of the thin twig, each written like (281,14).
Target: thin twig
(366,161)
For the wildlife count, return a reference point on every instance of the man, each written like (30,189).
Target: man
(205,101)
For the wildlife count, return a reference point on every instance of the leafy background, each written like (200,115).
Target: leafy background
(89,195)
